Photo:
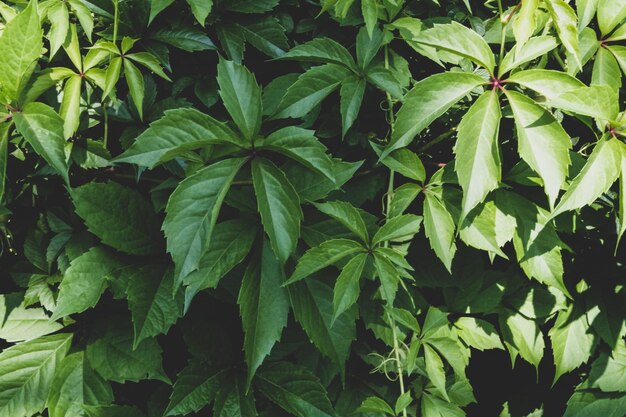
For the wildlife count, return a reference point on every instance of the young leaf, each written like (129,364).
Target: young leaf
(59,18)
(84,281)
(610,14)
(192,211)
(375,405)
(196,386)
(524,23)
(566,23)
(403,161)
(241,95)
(322,50)
(346,214)
(477,152)
(42,127)
(326,254)
(119,216)
(521,54)
(279,206)
(401,229)
(27,371)
(428,100)
(596,177)
(352,91)
(347,289)
(264,307)
(439,228)
(542,142)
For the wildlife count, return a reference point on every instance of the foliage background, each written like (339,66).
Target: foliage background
(282,207)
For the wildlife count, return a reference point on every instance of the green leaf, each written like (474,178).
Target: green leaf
(309,90)
(608,372)
(59,18)
(20,45)
(386,80)
(369,9)
(403,402)
(403,196)
(487,228)
(42,127)
(264,308)
(149,61)
(455,38)
(548,83)
(200,9)
(112,76)
(241,96)
(586,10)
(566,23)
(312,304)
(152,301)
(428,100)
(519,55)
(347,288)
(572,342)
(434,369)
(84,281)
(267,35)
(388,275)
(75,385)
(233,399)
(186,38)
(112,411)
(119,216)
(5,128)
(439,228)
(294,389)
(375,405)
(157,6)
(279,206)
(524,24)
(27,371)
(523,335)
(622,197)
(598,101)
(134,78)
(347,215)
(403,161)
(599,173)
(179,131)
(18,323)
(398,229)
(322,50)
(606,70)
(352,92)
(433,406)
(301,145)
(542,142)
(111,354)
(326,254)
(478,165)
(610,14)
(70,106)
(196,386)
(192,212)
(230,243)
(478,333)
(367,46)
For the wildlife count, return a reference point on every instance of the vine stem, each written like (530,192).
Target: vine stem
(390,187)
(115,19)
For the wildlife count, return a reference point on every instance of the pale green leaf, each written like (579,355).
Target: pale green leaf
(586,10)
(523,335)
(524,24)
(388,275)
(134,79)
(157,6)
(610,14)
(434,370)
(532,49)
(19,324)
(59,18)
(572,341)
(478,333)
(566,23)
(375,405)
(112,76)
(487,228)
(347,288)
(609,371)
(402,197)
(606,70)
(369,9)
(70,106)
(403,161)
(598,101)
(149,61)
(548,83)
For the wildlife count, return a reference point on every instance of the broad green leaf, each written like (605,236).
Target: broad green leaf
(241,96)
(112,76)
(59,18)
(84,281)
(18,323)
(548,83)
(618,35)
(487,228)
(542,142)
(119,216)
(84,16)
(301,145)
(369,9)
(230,244)
(533,48)
(179,131)
(478,165)
(599,173)
(70,106)
(76,384)
(606,407)
(610,14)
(42,127)
(404,161)
(347,288)
(111,354)
(398,229)
(352,91)
(403,196)
(136,87)
(309,90)
(149,61)
(439,228)
(196,386)
(524,24)
(428,100)
(434,406)
(192,212)
(572,341)
(322,50)
(152,301)
(157,6)
(566,23)
(264,307)
(434,369)
(347,215)
(267,35)
(27,371)
(388,275)
(233,399)
(619,55)
(294,389)
(523,335)
(312,304)
(326,254)
(608,372)
(367,46)
(606,70)
(478,333)
(386,80)
(586,10)
(200,9)
(20,46)
(375,405)
(455,38)
(279,206)
(403,402)
(598,101)
(187,38)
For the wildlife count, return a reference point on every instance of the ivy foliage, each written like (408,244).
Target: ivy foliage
(334,208)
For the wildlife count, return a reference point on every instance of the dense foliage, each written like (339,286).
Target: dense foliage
(245,208)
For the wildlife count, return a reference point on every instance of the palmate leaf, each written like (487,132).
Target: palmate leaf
(27,371)
(264,307)
(192,212)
